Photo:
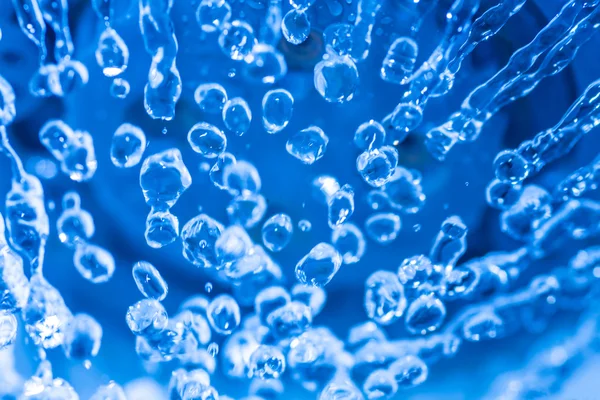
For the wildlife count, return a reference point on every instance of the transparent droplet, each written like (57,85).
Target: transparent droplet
(119,88)
(267,362)
(344,390)
(269,300)
(149,281)
(72,75)
(384,297)
(233,244)
(450,243)
(128,146)
(399,61)
(265,64)
(484,325)
(409,371)
(380,384)
(83,337)
(308,145)
(425,314)
(369,135)
(277,106)
(377,199)
(241,177)
(162,228)
(213,14)
(237,40)
(413,273)
(502,195)
(313,296)
(247,209)
(147,318)
(319,266)
(295,26)
(44,81)
(74,226)
(404,191)
(210,97)
(277,232)
(405,118)
(163,178)
(340,206)
(207,140)
(199,236)
(336,79)
(237,116)
(290,320)
(383,227)
(94,263)
(510,166)
(338,39)
(112,54)
(217,171)
(349,241)
(377,166)
(304,225)
(532,208)
(224,314)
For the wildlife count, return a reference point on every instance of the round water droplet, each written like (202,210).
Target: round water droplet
(400,60)
(265,64)
(237,40)
(94,263)
(312,296)
(233,244)
(224,314)
(207,140)
(413,273)
(295,26)
(210,97)
(404,191)
(163,178)
(308,145)
(237,116)
(147,318)
(409,371)
(213,14)
(241,177)
(425,314)
(112,54)
(128,146)
(290,320)
(380,384)
(510,166)
(383,227)
(162,228)
(247,209)
(349,241)
(277,232)
(319,266)
(369,135)
(384,297)
(267,362)
(82,338)
(304,225)
(338,39)
(277,106)
(269,300)
(119,88)
(75,226)
(149,281)
(377,166)
(336,79)
(199,236)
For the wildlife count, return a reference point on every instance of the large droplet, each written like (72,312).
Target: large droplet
(237,116)
(163,178)
(336,79)
(277,232)
(83,337)
(319,266)
(383,227)
(425,314)
(207,140)
(247,209)
(223,314)
(295,26)
(199,235)
(149,281)
(112,53)
(277,107)
(128,146)
(308,145)
(384,297)
(377,166)
(241,177)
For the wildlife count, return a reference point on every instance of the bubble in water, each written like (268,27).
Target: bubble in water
(277,232)
(128,146)
(425,314)
(163,178)
(112,53)
(8,328)
(308,145)
(94,263)
(162,228)
(450,243)
(237,40)
(146,318)
(237,116)
(119,88)
(267,362)
(338,39)
(304,225)
(83,337)
(269,300)
(349,241)
(112,391)
(319,266)
(377,166)
(46,316)
(384,297)
(409,371)
(340,206)
(510,166)
(199,236)
(290,320)
(277,107)
(213,14)
(399,61)
(336,79)
(247,209)
(383,227)
(369,135)
(312,296)
(502,195)
(404,191)
(484,325)
(380,384)
(210,97)
(149,281)
(295,26)
(207,140)
(223,314)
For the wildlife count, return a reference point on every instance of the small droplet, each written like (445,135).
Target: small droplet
(308,145)
(313,296)
(277,107)
(149,281)
(241,177)
(94,263)
(213,349)
(269,300)
(277,232)
(502,195)
(199,236)
(304,225)
(510,166)
(208,288)
(112,391)
(319,266)
(380,384)
(119,88)
(484,325)
(383,227)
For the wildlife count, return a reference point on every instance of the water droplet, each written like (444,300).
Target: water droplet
(112,391)
(147,318)
(128,146)
(277,232)
(210,97)
(163,178)
(399,61)
(404,191)
(265,64)
(112,53)
(425,314)
(532,208)
(384,297)
(223,314)
(119,88)
(237,116)
(409,371)
(269,300)
(207,140)
(213,14)
(377,167)
(162,228)
(369,135)
(277,106)
(340,206)
(502,195)
(295,26)
(319,266)
(380,384)
(94,263)
(247,209)
(241,177)
(336,79)
(484,325)
(149,281)
(267,362)
(208,288)
(338,39)
(383,227)
(74,225)
(304,225)
(82,338)
(312,296)
(199,236)
(510,166)
(413,273)
(290,320)
(237,40)
(308,145)
(450,243)
(349,241)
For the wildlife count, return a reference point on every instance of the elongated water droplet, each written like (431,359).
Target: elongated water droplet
(237,116)
(400,60)
(319,266)
(128,146)
(112,54)
(149,281)
(340,206)
(207,140)
(277,107)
